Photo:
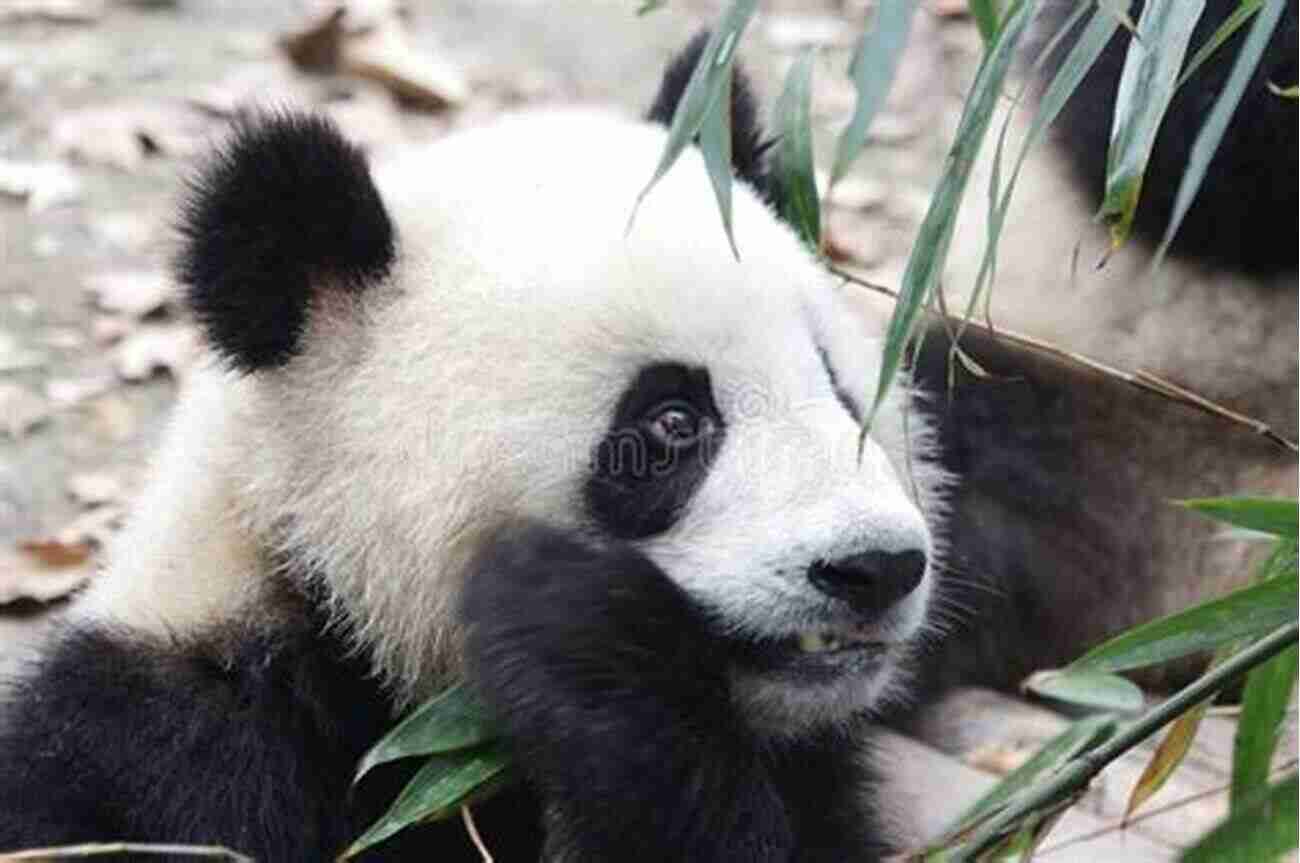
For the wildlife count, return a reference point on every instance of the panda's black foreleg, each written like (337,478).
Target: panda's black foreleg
(616,701)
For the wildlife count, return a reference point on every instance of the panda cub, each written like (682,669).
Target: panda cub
(460,421)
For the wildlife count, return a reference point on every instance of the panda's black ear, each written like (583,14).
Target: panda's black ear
(284,208)
(749,146)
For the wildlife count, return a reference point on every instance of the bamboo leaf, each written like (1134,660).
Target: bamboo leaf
(1292,92)
(1230,25)
(1243,614)
(1091,689)
(1274,516)
(1078,61)
(437,791)
(710,77)
(985,13)
(1261,830)
(794,155)
(872,70)
(1145,87)
(1207,140)
(1263,706)
(715,143)
(450,721)
(1170,752)
(1079,737)
(930,248)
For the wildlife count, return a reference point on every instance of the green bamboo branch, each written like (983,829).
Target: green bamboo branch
(1079,772)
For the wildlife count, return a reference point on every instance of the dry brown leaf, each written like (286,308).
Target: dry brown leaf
(26,574)
(21,410)
(156,347)
(131,292)
(55,553)
(373,45)
(418,80)
(41,184)
(95,488)
(58,11)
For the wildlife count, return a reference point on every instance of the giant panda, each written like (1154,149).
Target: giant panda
(1063,529)
(465,416)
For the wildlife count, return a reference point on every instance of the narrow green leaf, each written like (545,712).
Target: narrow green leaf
(1170,752)
(1145,87)
(1077,62)
(706,84)
(438,790)
(715,143)
(1207,140)
(1247,613)
(872,70)
(930,248)
(794,154)
(1091,689)
(1263,706)
(1230,25)
(1079,737)
(648,6)
(1292,92)
(449,721)
(1261,830)
(1272,515)
(985,13)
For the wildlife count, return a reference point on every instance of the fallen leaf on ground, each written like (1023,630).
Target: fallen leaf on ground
(20,410)
(156,347)
(376,48)
(131,292)
(42,571)
(123,135)
(41,184)
(95,488)
(58,11)
(66,392)
(14,357)
(94,527)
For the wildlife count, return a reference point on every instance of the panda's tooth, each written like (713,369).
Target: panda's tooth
(811,642)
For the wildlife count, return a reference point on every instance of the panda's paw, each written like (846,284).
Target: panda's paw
(615,701)
(542,602)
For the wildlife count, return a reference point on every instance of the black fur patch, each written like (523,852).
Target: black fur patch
(638,487)
(1245,215)
(1061,531)
(283,206)
(749,147)
(240,737)
(616,698)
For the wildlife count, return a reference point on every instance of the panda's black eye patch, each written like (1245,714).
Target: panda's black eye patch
(664,434)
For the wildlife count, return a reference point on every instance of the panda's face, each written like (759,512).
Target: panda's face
(525,353)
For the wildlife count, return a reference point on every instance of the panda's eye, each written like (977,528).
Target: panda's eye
(677,424)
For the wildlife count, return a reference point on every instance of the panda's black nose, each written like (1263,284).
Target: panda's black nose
(871,581)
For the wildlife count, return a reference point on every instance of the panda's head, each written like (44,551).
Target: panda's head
(473,335)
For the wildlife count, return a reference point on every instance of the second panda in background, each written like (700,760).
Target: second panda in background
(1063,528)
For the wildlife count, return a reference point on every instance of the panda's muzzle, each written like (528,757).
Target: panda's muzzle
(871,581)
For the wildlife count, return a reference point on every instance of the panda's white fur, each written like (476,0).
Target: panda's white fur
(364,456)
